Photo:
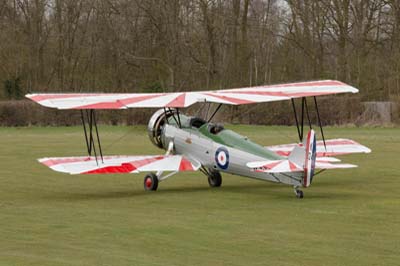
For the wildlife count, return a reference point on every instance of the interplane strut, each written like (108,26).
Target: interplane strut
(91,122)
(304,109)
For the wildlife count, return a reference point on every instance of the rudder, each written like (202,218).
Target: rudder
(310,146)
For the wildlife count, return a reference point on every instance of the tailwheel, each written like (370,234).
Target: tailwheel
(214,178)
(150,182)
(299,193)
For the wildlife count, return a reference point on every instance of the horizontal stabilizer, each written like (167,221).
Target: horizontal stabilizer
(119,164)
(327,165)
(274,166)
(334,147)
(286,166)
(328,159)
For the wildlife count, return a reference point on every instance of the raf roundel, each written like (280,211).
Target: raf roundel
(222,158)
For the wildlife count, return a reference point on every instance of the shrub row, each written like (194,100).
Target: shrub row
(336,110)
(28,113)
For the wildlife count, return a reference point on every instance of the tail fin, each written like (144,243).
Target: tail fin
(305,156)
(310,156)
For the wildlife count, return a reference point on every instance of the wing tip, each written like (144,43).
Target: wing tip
(31,96)
(43,160)
(367,150)
(351,89)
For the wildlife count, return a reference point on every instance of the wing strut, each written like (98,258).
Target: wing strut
(97,134)
(304,110)
(307,113)
(179,117)
(302,119)
(177,121)
(89,137)
(297,120)
(215,112)
(166,117)
(319,121)
(300,126)
(84,130)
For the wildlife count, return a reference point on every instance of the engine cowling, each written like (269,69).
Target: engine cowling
(156,124)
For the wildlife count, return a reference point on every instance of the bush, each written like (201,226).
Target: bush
(338,110)
(12,88)
(27,113)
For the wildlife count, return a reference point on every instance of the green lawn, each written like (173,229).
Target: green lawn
(348,217)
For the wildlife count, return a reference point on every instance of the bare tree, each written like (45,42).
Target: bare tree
(158,45)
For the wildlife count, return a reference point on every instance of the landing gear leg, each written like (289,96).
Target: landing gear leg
(299,193)
(215,179)
(151,180)
(213,176)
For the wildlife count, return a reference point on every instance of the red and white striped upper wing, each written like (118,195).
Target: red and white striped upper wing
(120,164)
(334,147)
(238,96)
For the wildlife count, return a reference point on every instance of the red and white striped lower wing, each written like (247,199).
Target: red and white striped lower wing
(120,164)
(334,147)
(274,166)
(266,93)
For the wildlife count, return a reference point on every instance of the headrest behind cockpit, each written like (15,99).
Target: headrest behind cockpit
(215,128)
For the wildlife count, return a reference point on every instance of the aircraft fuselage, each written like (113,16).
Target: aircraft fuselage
(221,149)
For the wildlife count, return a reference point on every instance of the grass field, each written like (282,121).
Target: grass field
(348,217)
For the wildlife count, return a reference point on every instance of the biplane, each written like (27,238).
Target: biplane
(194,143)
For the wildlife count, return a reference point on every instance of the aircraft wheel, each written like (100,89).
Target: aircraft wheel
(214,179)
(150,182)
(299,194)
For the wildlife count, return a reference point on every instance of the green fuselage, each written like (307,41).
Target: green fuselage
(226,137)
(220,149)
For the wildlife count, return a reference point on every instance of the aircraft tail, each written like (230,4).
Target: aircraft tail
(301,159)
(305,155)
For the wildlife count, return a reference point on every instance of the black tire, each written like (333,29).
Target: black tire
(150,182)
(214,179)
(299,194)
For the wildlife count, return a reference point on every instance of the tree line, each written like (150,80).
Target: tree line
(174,45)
